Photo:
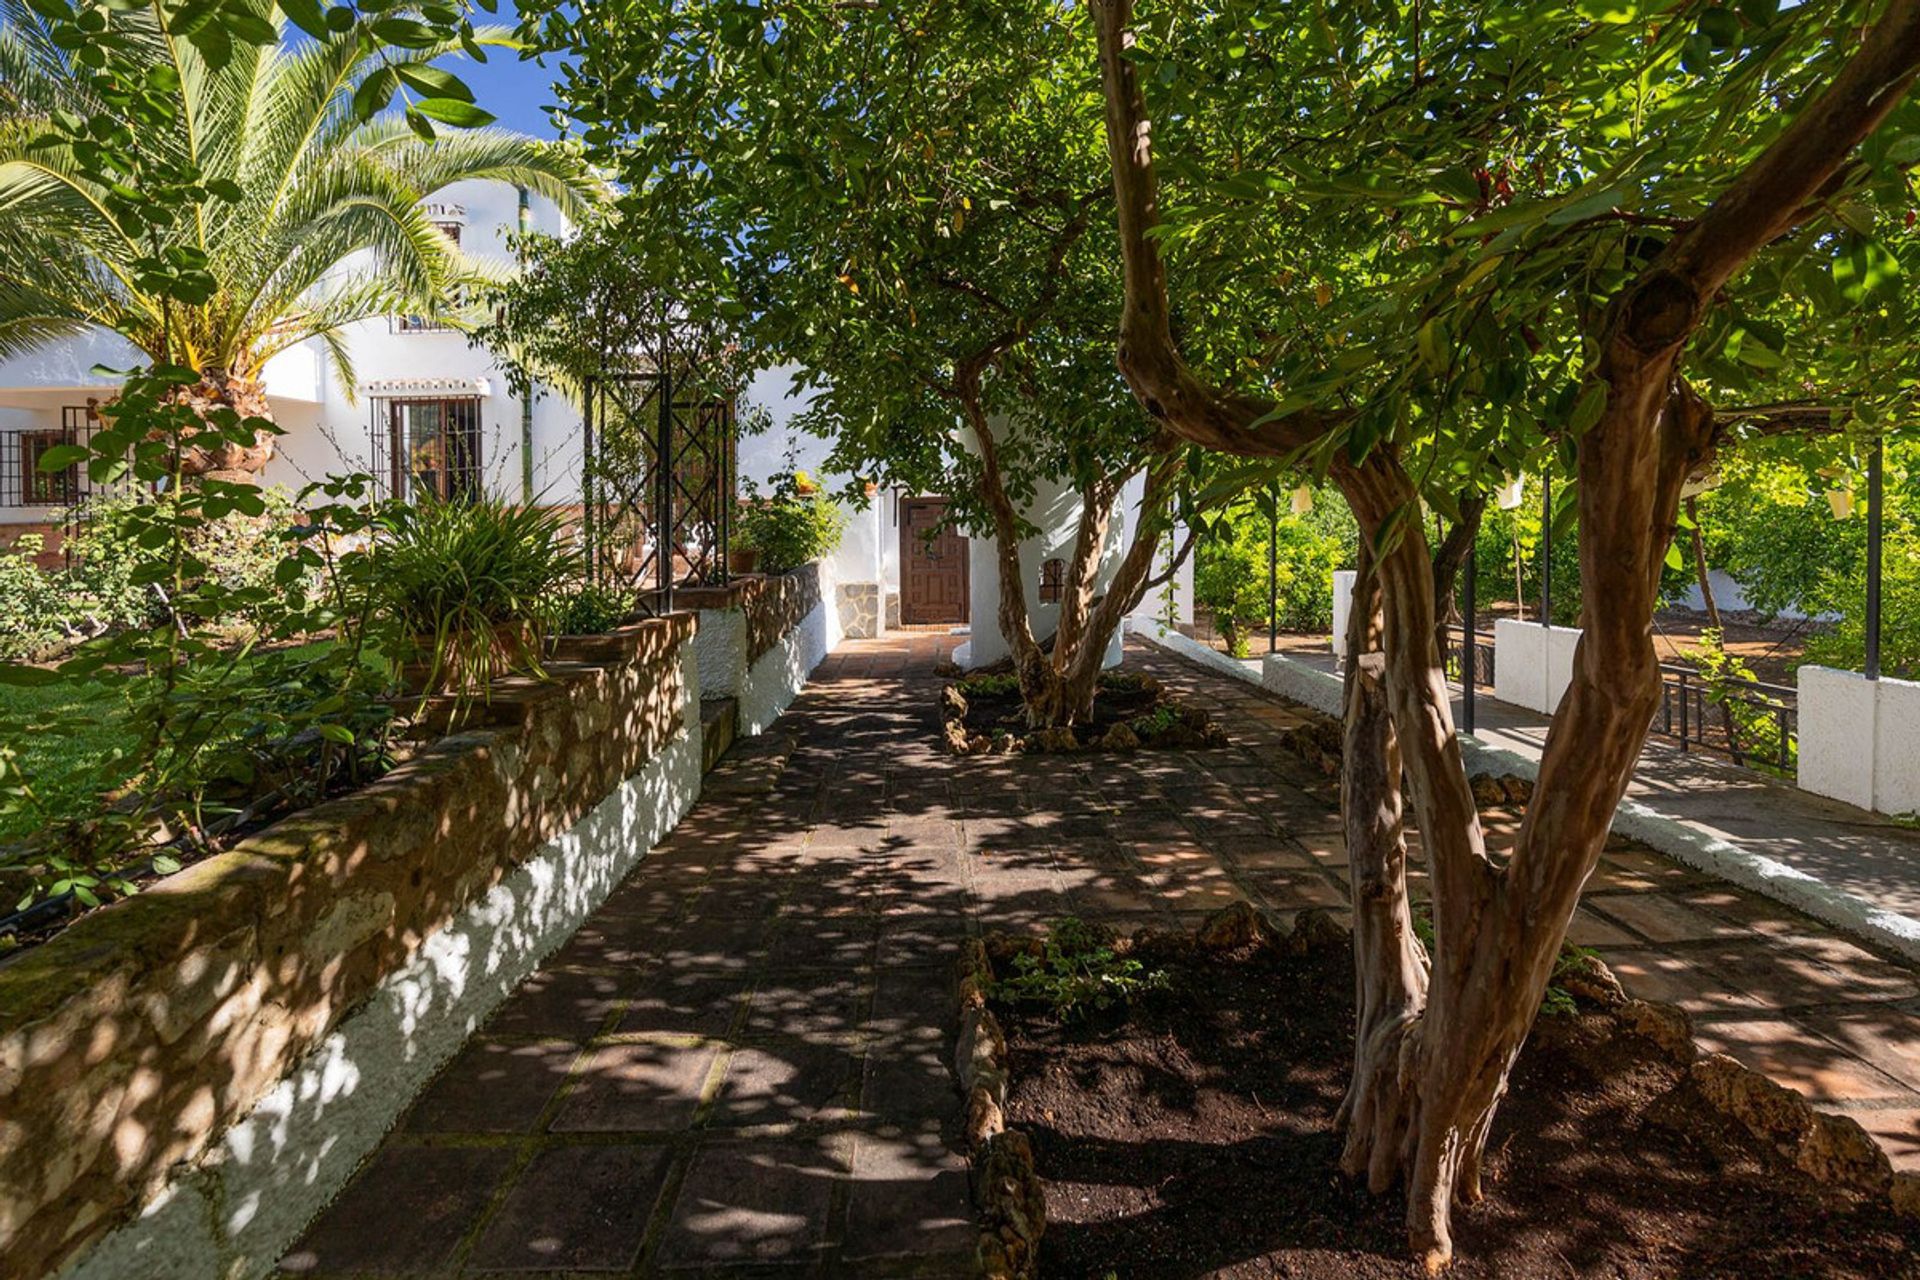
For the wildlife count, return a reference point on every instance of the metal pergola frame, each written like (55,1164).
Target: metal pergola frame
(658,479)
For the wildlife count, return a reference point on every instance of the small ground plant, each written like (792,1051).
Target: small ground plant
(1078,972)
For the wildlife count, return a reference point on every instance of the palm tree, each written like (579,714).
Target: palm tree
(316,187)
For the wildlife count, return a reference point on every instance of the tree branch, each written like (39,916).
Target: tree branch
(1166,387)
(1781,187)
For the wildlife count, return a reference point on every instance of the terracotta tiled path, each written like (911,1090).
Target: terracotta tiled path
(742,1058)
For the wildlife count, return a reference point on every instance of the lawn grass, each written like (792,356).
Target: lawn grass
(64,733)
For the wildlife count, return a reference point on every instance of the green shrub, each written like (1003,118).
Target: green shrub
(1077,972)
(794,524)
(107,583)
(591,610)
(34,612)
(1233,574)
(1002,684)
(1750,717)
(463,591)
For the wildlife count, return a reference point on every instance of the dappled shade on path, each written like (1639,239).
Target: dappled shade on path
(742,1057)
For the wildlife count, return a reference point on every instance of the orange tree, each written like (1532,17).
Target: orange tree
(922,224)
(1424,248)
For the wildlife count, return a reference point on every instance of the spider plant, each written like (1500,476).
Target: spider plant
(464,589)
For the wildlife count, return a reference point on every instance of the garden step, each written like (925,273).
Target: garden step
(719,718)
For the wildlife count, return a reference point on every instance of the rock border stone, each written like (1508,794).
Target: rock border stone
(1194,729)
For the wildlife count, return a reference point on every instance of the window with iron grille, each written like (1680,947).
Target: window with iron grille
(1053,580)
(432,446)
(428,324)
(23,483)
(45,488)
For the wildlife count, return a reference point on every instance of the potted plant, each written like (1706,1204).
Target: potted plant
(792,525)
(465,590)
(743,555)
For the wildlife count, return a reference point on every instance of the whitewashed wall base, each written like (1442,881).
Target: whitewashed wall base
(777,676)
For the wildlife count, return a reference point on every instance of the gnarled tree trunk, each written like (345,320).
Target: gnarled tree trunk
(1058,683)
(1431,1061)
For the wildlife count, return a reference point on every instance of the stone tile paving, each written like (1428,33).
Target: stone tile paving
(741,1060)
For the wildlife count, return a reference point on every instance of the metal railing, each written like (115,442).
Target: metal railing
(1482,656)
(1753,723)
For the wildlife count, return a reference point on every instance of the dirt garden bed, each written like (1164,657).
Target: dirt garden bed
(983,715)
(1188,1130)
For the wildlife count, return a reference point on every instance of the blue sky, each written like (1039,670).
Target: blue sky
(517,92)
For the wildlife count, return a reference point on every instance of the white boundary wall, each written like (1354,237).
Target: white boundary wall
(1860,739)
(1532,664)
(776,678)
(1343,580)
(236,1211)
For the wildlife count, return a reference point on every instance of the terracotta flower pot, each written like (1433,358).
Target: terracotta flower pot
(743,559)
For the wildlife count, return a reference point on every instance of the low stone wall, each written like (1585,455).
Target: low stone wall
(216,1054)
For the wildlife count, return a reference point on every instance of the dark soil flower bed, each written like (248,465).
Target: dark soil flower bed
(1194,1136)
(982,714)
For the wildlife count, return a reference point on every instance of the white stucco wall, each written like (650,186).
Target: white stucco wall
(862,555)
(1532,664)
(1860,739)
(1728,594)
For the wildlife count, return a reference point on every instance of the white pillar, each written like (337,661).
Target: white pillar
(1532,664)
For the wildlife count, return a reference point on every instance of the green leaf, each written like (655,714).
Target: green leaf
(62,456)
(1863,267)
(406,33)
(251,29)
(22,676)
(461,115)
(306,15)
(433,82)
(1600,202)
(374,93)
(1722,27)
(1587,410)
(336,733)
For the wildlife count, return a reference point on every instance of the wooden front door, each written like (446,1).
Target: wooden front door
(933,566)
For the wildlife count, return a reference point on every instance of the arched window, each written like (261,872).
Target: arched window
(1053,580)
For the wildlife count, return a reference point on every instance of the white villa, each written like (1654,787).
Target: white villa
(431,412)
(424,393)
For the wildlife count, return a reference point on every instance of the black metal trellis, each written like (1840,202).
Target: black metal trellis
(657,487)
